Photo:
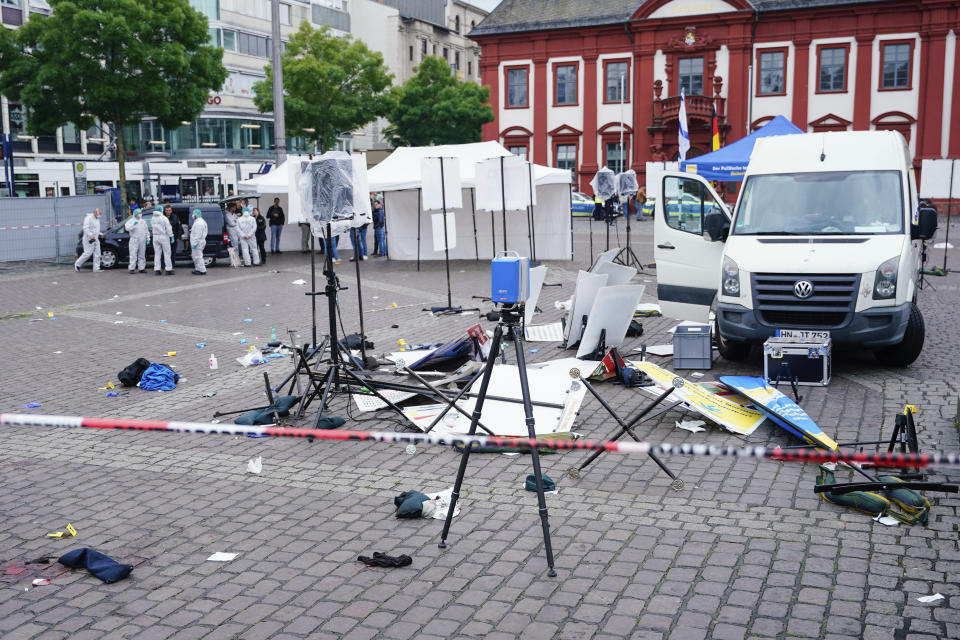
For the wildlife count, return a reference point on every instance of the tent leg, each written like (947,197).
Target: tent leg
(473,208)
(419,209)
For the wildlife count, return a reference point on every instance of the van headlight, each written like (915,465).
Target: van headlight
(885,281)
(731,278)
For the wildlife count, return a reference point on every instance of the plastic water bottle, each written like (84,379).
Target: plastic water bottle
(213,361)
(273,334)
(410,449)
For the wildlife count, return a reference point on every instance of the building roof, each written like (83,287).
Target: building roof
(516,16)
(512,16)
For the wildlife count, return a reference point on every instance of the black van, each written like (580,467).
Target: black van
(115,245)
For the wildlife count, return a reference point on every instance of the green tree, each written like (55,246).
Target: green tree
(433,107)
(331,85)
(115,60)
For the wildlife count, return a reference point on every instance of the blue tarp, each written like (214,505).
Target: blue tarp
(730,162)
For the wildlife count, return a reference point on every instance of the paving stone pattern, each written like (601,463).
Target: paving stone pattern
(744,550)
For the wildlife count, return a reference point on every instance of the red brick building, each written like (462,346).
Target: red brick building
(561,72)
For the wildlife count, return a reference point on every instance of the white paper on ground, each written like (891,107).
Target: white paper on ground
(443,500)
(657,349)
(437,220)
(255,465)
(299,282)
(934,598)
(222,556)
(612,312)
(693,426)
(648,306)
(372,403)
(887,520)
(436,194)
(544,332)
(537,276)
(943,245)
(588,285)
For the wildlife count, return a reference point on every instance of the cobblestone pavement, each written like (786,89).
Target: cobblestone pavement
(745,550)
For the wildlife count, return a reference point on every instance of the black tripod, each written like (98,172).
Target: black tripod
(510,319)
(626,256)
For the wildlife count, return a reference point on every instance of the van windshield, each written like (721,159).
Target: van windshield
(828,203)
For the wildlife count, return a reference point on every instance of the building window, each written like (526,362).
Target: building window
(446,54)
(18,120)
(690,76)
(565,157)
(518,150)
(11,13)
(896,59)
(253,45)
(469,67)
(284,14)
(565,84)
(617,81)
(833,69)
(473,24)
(456,24)
(771,73)
(229,40)
(517,87)
(456,60)
(209,8)
(411,53)
(615,157)
(423,47)
(434,49)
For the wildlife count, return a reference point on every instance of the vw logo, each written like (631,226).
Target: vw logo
(803,289)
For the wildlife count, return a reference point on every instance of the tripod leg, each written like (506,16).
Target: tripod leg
(463,392)
(534,452)
(451,404)
(475,419)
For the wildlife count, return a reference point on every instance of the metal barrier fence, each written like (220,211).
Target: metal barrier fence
(46,228)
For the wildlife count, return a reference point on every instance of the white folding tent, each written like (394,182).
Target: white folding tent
(409,235)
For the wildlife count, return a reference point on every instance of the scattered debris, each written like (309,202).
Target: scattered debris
(99,565)
(888,521)
(109,386)
(201,345)
(161,320)
(299,282)
(251,357)
(69,533)
(209,394)
(693,426)
(248,319)
(113,394)
(222,556)
(41,582)
(410,449)
(383,560)
(255,465)
(31,405)
(943,245)
(393,305)
(549,486)
(934,598)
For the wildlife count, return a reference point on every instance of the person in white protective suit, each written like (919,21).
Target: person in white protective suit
(230,222)
(162,234)
(198,240)
(91,241)
(136,226)
(247,227)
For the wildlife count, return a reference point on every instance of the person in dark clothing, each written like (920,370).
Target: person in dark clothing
(277,219)
(379,224)
(175,225)
(261,234)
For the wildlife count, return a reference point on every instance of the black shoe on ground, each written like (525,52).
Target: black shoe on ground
(132,271)
(197,273)
(143,270)
(169,273)
(159,273)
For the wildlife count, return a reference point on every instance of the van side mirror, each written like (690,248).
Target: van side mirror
(716,226)
(926,224)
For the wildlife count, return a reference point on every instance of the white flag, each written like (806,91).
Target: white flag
(683,137)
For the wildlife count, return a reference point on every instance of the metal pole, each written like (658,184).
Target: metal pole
(946,242)
(623,159)
(279,123)
(446,237)
(473,208)
(503,204)
(419,210)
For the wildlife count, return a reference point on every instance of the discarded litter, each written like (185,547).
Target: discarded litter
(255,465)
(161,320)
(696,374)
(171,353)
(410,449)
(393,305)
(49,314)
(237,333)
(31,405)
(213,361)
(221,556)
(109,386)
(209,394)
(693,426)
(69,533)
(98,564)
(299,282)
(40,582)
(534,350)
(887,521)
(383,560)
(57,353)
(39,308)
(201,345)
(113,394)
(257,435)
(243,341)
(934,598)
(119,313)
(248,319)
(943,245)
(394,326)
(254,356)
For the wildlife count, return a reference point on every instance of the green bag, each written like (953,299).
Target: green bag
(868,502)
(916,508)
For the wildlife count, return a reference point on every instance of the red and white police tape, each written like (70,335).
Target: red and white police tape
(24,227)
(792,455)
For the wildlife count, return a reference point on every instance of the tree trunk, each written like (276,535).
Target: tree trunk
(121,157)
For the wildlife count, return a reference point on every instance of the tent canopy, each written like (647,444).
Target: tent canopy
(277,181)
(401,169)
(730,162)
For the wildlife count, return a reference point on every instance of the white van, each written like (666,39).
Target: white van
(825,239)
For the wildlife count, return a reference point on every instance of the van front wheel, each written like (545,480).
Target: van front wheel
(909,349)
(730,350)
